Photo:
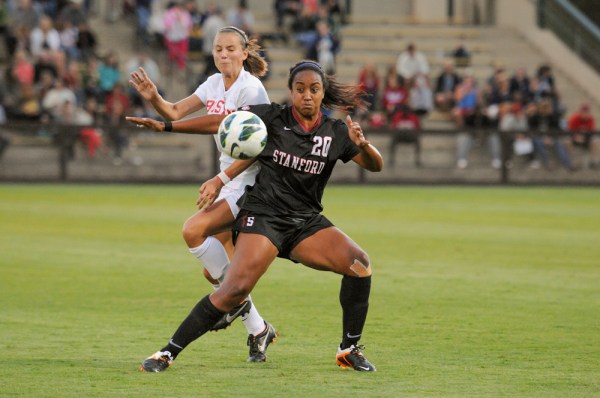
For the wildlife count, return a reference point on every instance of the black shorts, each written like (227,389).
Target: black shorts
(284,232)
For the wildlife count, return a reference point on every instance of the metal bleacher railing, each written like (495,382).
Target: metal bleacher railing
(573,27)
(59,145)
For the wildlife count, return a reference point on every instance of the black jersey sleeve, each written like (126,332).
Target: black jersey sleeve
(349,148)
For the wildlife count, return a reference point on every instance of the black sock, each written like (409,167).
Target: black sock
(354,298)
(202,317)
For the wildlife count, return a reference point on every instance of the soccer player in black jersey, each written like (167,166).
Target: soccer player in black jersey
(280,214)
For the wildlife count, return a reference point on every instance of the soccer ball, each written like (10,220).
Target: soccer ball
(242,135)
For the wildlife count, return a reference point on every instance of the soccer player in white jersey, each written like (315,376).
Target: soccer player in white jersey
(237,85)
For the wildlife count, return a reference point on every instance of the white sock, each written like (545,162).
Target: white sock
(213,256)
(253,322)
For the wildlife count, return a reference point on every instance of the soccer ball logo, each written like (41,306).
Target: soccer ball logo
(242,135)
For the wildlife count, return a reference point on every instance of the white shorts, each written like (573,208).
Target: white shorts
(235,189)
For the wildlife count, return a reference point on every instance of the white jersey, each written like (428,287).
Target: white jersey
(247,90)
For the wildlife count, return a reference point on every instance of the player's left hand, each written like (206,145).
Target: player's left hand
(355,133)
(208,192)
(142,122)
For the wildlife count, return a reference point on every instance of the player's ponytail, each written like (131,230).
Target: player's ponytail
(255,64)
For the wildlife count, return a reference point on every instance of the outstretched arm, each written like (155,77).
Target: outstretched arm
(209,191)
(208,124)
(140,81)
(369,157)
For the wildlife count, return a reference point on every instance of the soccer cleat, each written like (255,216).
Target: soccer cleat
(258,344)
(157,362)
(231,316)
(352,358)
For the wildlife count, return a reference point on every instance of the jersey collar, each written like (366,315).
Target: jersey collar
(301,127)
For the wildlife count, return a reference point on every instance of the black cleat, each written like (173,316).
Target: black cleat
(258,344)
(232,315)
(353,358)
(157,362)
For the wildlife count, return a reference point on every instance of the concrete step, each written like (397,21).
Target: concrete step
(414,32)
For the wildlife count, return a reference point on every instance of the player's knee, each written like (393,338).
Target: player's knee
(194,232)
(360,265)
(231,294)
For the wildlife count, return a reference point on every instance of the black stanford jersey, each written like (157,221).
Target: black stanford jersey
(295,165)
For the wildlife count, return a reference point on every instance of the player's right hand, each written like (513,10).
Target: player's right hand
(142,122)
(140,81)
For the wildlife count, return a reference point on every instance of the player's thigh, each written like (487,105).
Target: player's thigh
(211,220)
(332,250)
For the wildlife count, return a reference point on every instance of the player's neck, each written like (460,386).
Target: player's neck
(229,80)
(307,124)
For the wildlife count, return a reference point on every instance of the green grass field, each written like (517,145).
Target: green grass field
(477,292)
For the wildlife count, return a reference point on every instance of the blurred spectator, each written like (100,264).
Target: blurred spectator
(43,64)
(28,104)
(513,119)
(44,37)
(411,63)
(143,13)
(94,109)
(445,87)
(368,79)
(467,113)
(324,48)
(211,26)
(544,86)
(56,97)
(178,23)
(86,41)
(582,126)
(285,7)
(72,118)
(44,83)
(23,19)
(91,79)
(394,96)
(73,12)
(108,73)
(332,20)
(49,7)
(467,100)
(307,17)
(117,95)
(68,40)
(196,35)
(22,70)
(74,81)
(117,106)
(241,17)
(461,55)
(420,96)
(520,86)
(336,14)
(546,124)
(497,90)
(407,124)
